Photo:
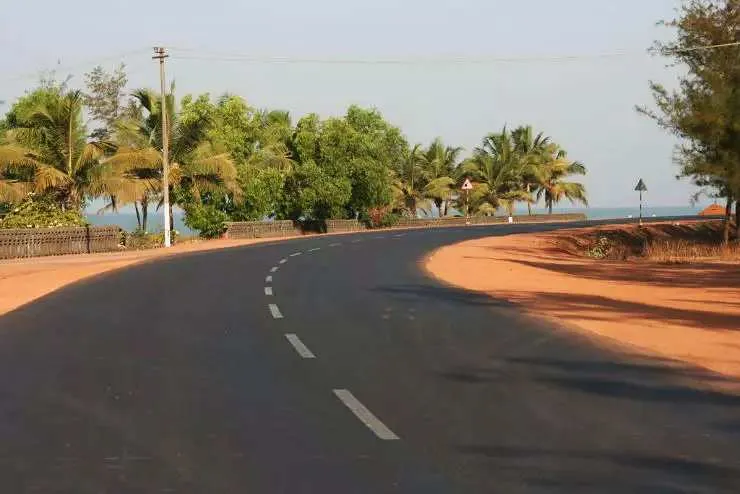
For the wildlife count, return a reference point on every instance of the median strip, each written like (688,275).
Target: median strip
(275,311)
(365,415)
(302,349)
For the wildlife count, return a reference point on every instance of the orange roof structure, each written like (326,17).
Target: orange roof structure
(713,210)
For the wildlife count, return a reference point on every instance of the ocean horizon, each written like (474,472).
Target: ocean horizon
(127,220)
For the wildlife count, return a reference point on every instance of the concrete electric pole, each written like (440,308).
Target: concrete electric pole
(161,54)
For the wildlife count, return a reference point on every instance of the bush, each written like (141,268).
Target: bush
(380,218)
(37,212)
(140,240)
(209,221)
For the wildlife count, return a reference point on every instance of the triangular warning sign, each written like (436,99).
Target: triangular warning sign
(467,185)
(641,187)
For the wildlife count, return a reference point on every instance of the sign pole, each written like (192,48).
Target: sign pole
(641,187)
(467,187)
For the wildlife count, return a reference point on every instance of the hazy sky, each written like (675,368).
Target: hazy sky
(586,105)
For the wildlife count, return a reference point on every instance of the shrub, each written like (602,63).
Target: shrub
(380,218)
(209,221)
(39,212)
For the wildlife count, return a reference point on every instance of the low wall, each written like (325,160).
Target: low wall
(261,229)
(37,242)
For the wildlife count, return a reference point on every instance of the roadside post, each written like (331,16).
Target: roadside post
(641,187)
(467,187)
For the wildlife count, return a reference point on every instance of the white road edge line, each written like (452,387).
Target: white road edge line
(302,349)
(283,261)
(296,254)
(268,279)
(275,311)
(274,269)
(365,415)
(268,291)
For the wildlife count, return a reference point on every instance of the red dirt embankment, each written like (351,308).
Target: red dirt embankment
(688,312)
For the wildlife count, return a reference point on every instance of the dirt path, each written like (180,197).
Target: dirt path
(688,312)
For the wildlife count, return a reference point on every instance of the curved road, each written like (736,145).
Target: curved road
(347,371)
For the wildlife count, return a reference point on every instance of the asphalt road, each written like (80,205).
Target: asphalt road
(177,376)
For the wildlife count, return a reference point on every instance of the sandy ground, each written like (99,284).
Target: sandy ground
(688,312)
(25,280)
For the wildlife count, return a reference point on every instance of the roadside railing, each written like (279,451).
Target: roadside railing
(37,242)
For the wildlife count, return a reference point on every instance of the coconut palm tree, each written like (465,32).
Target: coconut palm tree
(440,163)
(49,153)
(532,150)
(552,173)
(497,169)
(196,167)
(409,182)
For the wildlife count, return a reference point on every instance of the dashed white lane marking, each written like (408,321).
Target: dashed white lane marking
(275,311)
(283,261)
(315,250)
(268,291)
(268,279)
(365,415)
(296,254)
(335,245)
(381,237)
(356,241)
(399,235)
(274,269)
(302,349)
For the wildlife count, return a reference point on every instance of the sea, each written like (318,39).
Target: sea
(127,220)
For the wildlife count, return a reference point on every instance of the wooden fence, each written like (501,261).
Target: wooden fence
(36,242)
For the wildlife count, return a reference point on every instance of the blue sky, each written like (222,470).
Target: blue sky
(587,105)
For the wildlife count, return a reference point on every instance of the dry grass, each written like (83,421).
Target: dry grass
(684,251)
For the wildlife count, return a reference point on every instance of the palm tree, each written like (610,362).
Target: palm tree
(440,163)
(409,183)
(196,168)
(532,150)
(551,174)
(49,153)
(497,169)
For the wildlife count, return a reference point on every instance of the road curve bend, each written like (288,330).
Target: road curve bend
(334,364)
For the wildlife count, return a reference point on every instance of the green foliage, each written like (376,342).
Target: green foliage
(41,212)
(207,219)
(704,112)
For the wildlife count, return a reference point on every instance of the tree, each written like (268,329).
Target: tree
(46,150)
(409,183)
(440,164)
(532,151)
(197,170)
(105,98)
(498,171)
(551,174)
(704,112)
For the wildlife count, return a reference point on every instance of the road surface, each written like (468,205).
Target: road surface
(335,365)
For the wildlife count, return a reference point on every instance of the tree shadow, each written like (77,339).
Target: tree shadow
(599,308)
(697,275)
(442,294)
(627,471)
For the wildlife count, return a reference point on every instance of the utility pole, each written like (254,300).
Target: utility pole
(160,53)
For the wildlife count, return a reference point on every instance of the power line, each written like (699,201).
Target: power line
(77,65)
(196,54)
